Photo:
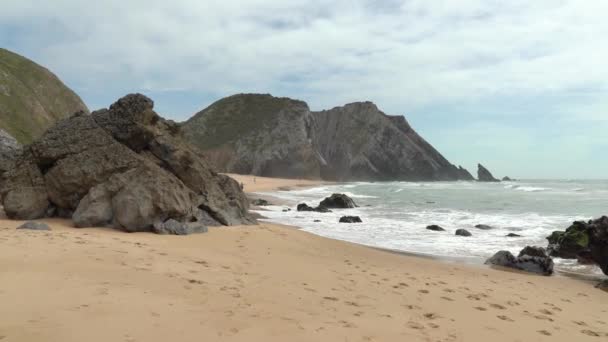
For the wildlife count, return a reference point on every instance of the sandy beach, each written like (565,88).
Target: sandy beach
(270,283)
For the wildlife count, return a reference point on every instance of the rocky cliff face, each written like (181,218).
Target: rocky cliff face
(9,148)
(124,167)
(281,137)
(484,175)
(31,98)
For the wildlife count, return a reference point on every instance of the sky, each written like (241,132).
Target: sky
(520,86)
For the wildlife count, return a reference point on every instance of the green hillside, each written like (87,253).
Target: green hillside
(31,97)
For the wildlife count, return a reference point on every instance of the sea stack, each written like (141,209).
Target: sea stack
(484,175)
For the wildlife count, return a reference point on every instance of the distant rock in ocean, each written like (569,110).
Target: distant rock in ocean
(484,175)
(124,167)
(32,98)
(507,179)
(280,137)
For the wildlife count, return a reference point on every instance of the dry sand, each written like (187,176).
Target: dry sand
(270,283)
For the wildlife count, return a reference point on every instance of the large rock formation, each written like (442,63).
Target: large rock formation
(9,148)
(31,98)
(124,167)
(268,136)
(484,175)
(582,240)
(530,259)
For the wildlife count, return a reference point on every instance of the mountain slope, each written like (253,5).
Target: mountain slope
(280,137)
(31,97)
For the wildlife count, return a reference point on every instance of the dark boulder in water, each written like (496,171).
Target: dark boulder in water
(350,219)
(483,227)
(539,262)
(435,228)
(260,202)
(124,167)
(338,201)
(513,235)
(463,232)
(306,207)
(568,244)
(507,179)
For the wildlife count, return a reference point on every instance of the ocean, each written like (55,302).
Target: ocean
(395,215)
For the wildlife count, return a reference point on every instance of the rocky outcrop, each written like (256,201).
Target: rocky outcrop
(306,207)
(484,175)
(530,259)
(483,227)
(582,240)
(463,232)
(124,167)
(338,201)
(32,98)
(507,179)
(350,219)
(9,149)
(280,137)
(435,228)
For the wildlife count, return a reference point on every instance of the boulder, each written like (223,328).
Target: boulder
(507,179)
(173,227)
(463,232)
(306,207)
(436,228)
(483,227)
(350,219)
(568,244)
(33,225)
(124,167)
(260,202)
(317,221)
(538,263)
(513,235)
(338,201)
(484,175)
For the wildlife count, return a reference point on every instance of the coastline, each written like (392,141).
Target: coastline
(273,283)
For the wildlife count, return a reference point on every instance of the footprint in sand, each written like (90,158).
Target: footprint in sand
(431,316)
(480,308)
(334,299)
(497,306)
(591,333)
(447,298)
(423,291)
(544,332)
(415,325)
(505,318)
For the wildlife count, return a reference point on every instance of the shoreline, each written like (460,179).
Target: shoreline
(280,184)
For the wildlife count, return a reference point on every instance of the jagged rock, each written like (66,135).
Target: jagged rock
(306,207)
(463,232)
(568,244)
(173,227)
(124,167)
(483,227)
(464,174)
(338,201)
(539,262)
(533,251)
(260,202)
(436,228)
(280,137)
(33,225)
(484,175)
(513,235)
(350,219)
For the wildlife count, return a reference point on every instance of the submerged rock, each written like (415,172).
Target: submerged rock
(484,175)
(350,219)
(306,207)
(436,228)
(124,167)
(33,225)
(513,235)
(463,232)
(338,201)
(483,227)
(539,262)
(260,202)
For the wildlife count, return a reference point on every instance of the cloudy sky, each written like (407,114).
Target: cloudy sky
(518,85)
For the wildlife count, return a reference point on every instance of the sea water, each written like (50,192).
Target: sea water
(395,215)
